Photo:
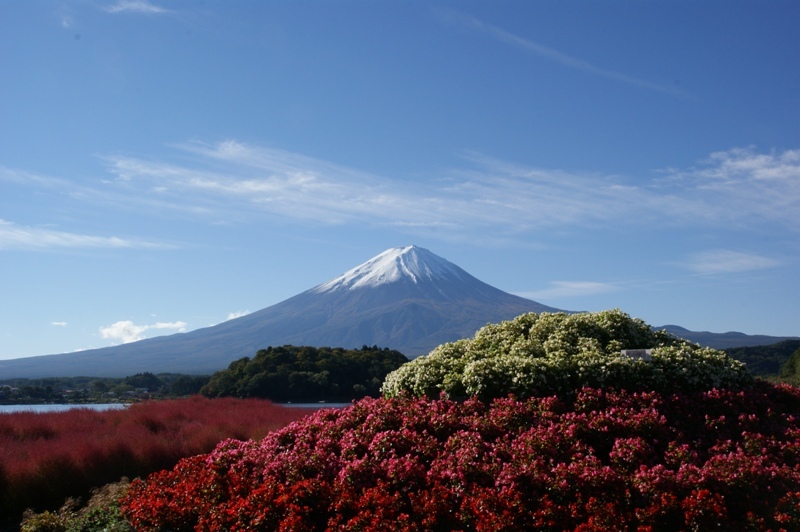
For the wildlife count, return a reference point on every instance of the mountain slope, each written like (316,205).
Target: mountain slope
(406,298)
(765,359)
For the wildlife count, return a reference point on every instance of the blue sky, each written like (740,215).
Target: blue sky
(166,165)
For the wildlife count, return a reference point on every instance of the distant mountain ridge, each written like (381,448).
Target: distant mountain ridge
(724,340)
(406,298)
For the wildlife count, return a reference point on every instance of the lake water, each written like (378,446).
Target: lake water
(8,409)
(318,406)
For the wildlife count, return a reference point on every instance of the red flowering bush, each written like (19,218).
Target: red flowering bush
(599,459)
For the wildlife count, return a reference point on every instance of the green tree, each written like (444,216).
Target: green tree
(145,380)
(791,368)
(188,384)
(303,373)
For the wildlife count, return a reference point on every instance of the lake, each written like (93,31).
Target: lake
(318,406)
(9,409)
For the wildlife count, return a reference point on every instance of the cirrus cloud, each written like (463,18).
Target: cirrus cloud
(135,6)
(232,179)
(234,182)
(559,289)
(13,236)
(726,261)
(550,54)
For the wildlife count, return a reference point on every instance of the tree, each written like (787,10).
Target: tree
(145,380)
(791,368)
(303,373)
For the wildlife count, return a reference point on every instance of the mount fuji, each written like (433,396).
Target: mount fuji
(406,298)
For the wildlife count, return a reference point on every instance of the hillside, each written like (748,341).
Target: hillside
(765,359)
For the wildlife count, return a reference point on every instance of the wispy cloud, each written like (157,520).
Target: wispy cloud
(743,185)
(266,180)
(135,6)
(239,314)
(234,182)
(58,323)
(258,179)
(556,56)
(13,236)
(564,289)
(726,261)
(21,177)
(127,331)
(233,179)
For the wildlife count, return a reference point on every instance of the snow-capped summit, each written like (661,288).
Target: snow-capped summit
(409,263)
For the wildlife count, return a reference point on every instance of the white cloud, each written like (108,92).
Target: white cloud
(13,236)
(727,261)
(135,6)
(554,55)
(562,289)
(20,177)
(127,332)
(59,323)
(749,184)
(234,315)
(231,182)
(235,180)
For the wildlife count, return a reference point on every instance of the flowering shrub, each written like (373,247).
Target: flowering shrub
(557,353)
(599,459)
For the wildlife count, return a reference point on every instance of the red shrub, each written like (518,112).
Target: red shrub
(607,460)
(47,457)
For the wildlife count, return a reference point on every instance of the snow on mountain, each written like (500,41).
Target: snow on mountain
(410,263)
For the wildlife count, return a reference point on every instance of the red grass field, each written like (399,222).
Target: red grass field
(47,457)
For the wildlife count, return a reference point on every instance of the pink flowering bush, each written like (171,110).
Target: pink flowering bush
(598,459)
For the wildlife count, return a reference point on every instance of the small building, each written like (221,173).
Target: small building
(638,354)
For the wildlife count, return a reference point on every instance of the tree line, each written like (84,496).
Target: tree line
(768,360)
(98,389)
(304,374)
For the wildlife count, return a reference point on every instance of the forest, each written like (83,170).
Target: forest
(767,360)
(87,390)
(304,374)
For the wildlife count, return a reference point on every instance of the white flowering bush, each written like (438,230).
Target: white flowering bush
(558,353)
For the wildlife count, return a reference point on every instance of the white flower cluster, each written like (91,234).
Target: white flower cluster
(554,353)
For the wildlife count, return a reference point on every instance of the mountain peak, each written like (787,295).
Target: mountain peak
(404,263)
